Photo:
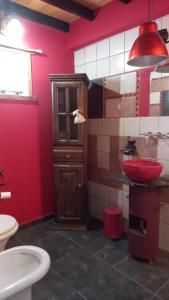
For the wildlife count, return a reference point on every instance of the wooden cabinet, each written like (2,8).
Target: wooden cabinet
(69,92)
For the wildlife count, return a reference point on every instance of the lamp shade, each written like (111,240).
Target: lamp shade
(163,68)
(148,49)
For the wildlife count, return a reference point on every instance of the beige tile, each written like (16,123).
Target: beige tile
(112,108)
(163,124)
(128,106)
(116,197)
(103,160)
(155,98)
(94,207)
(103,143)
(154,110)
(163,149)
(92,126)
(131,127)
(148,124)
(126,199)
(164,213)
(159,84)
(125,213)
(109,126)
(112,83)
(128,83)
(93,188)
(164,236)
(100,126)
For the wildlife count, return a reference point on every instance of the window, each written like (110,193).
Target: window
(15,73)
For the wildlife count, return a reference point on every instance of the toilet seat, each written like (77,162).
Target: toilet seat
(7,223)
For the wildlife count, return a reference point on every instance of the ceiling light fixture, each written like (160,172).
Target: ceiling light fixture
(149,48)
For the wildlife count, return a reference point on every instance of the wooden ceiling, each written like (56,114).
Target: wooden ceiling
(58,13)
(55,13)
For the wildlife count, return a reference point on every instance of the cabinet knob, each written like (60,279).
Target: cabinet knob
(79,185)
(68,155)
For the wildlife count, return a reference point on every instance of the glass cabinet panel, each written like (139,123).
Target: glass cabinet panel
(72,99)
(62,127)
(73,129)
(61,99)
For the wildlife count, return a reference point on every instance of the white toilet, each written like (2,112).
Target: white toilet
(8,227)
(20,268)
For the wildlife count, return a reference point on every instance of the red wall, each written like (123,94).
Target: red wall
(25,130)
(113,18)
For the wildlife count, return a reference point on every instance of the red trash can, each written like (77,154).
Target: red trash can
(112,222)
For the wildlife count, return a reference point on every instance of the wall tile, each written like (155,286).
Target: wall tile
(164,233)
(126,199)
(103,160)
(128,83)
(93,188)
(164,213)
(155,98)
(103,67)
(92,126)
(103,143)
(108,126)
(125,213)
(128,106)
(131,127)
(112,108)
(116,197)
(79,57)
(94,207)
(159,84)
(90,70)
(148,124)
(163,124)
(100,127)
(121,127)
(165,22)
(80,69)
(146,149)
(112,84)
(103,49)
(130,36)
(90,53)
(163,149)
(117,64)
(117,44)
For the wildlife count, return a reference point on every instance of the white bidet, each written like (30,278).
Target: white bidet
(20,268)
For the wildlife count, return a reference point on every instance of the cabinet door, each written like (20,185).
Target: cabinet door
(71,200)
(67,97)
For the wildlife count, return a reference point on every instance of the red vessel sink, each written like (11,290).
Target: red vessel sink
(141,169)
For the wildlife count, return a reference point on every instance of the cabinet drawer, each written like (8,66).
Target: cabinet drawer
(68,156)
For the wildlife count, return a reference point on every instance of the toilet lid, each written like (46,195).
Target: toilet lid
(7,223)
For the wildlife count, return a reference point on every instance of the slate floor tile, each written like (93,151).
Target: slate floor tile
(76,297)
(108,250)
(13,243)
(115,286)
(164,292)
(82,237)
(79,268)
(152,276)
(51,287)
(57,246)
(35,232)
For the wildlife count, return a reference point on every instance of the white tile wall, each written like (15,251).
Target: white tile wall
(148,124)
(131,127)
(90,53)
(128,83)
(90,69)
(103,49)
(155,98)
(117,64)
(130,36)
(164,124)
(79,57)
(103,66)
(80,69)
(117,44)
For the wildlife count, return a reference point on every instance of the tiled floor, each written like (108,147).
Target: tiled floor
(85,265)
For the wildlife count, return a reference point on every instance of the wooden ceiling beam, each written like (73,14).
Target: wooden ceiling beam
(73,8)
(21,11)
(125,1)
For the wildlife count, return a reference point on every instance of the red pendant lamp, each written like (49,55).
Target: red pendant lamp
(149,48)
(163,67)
